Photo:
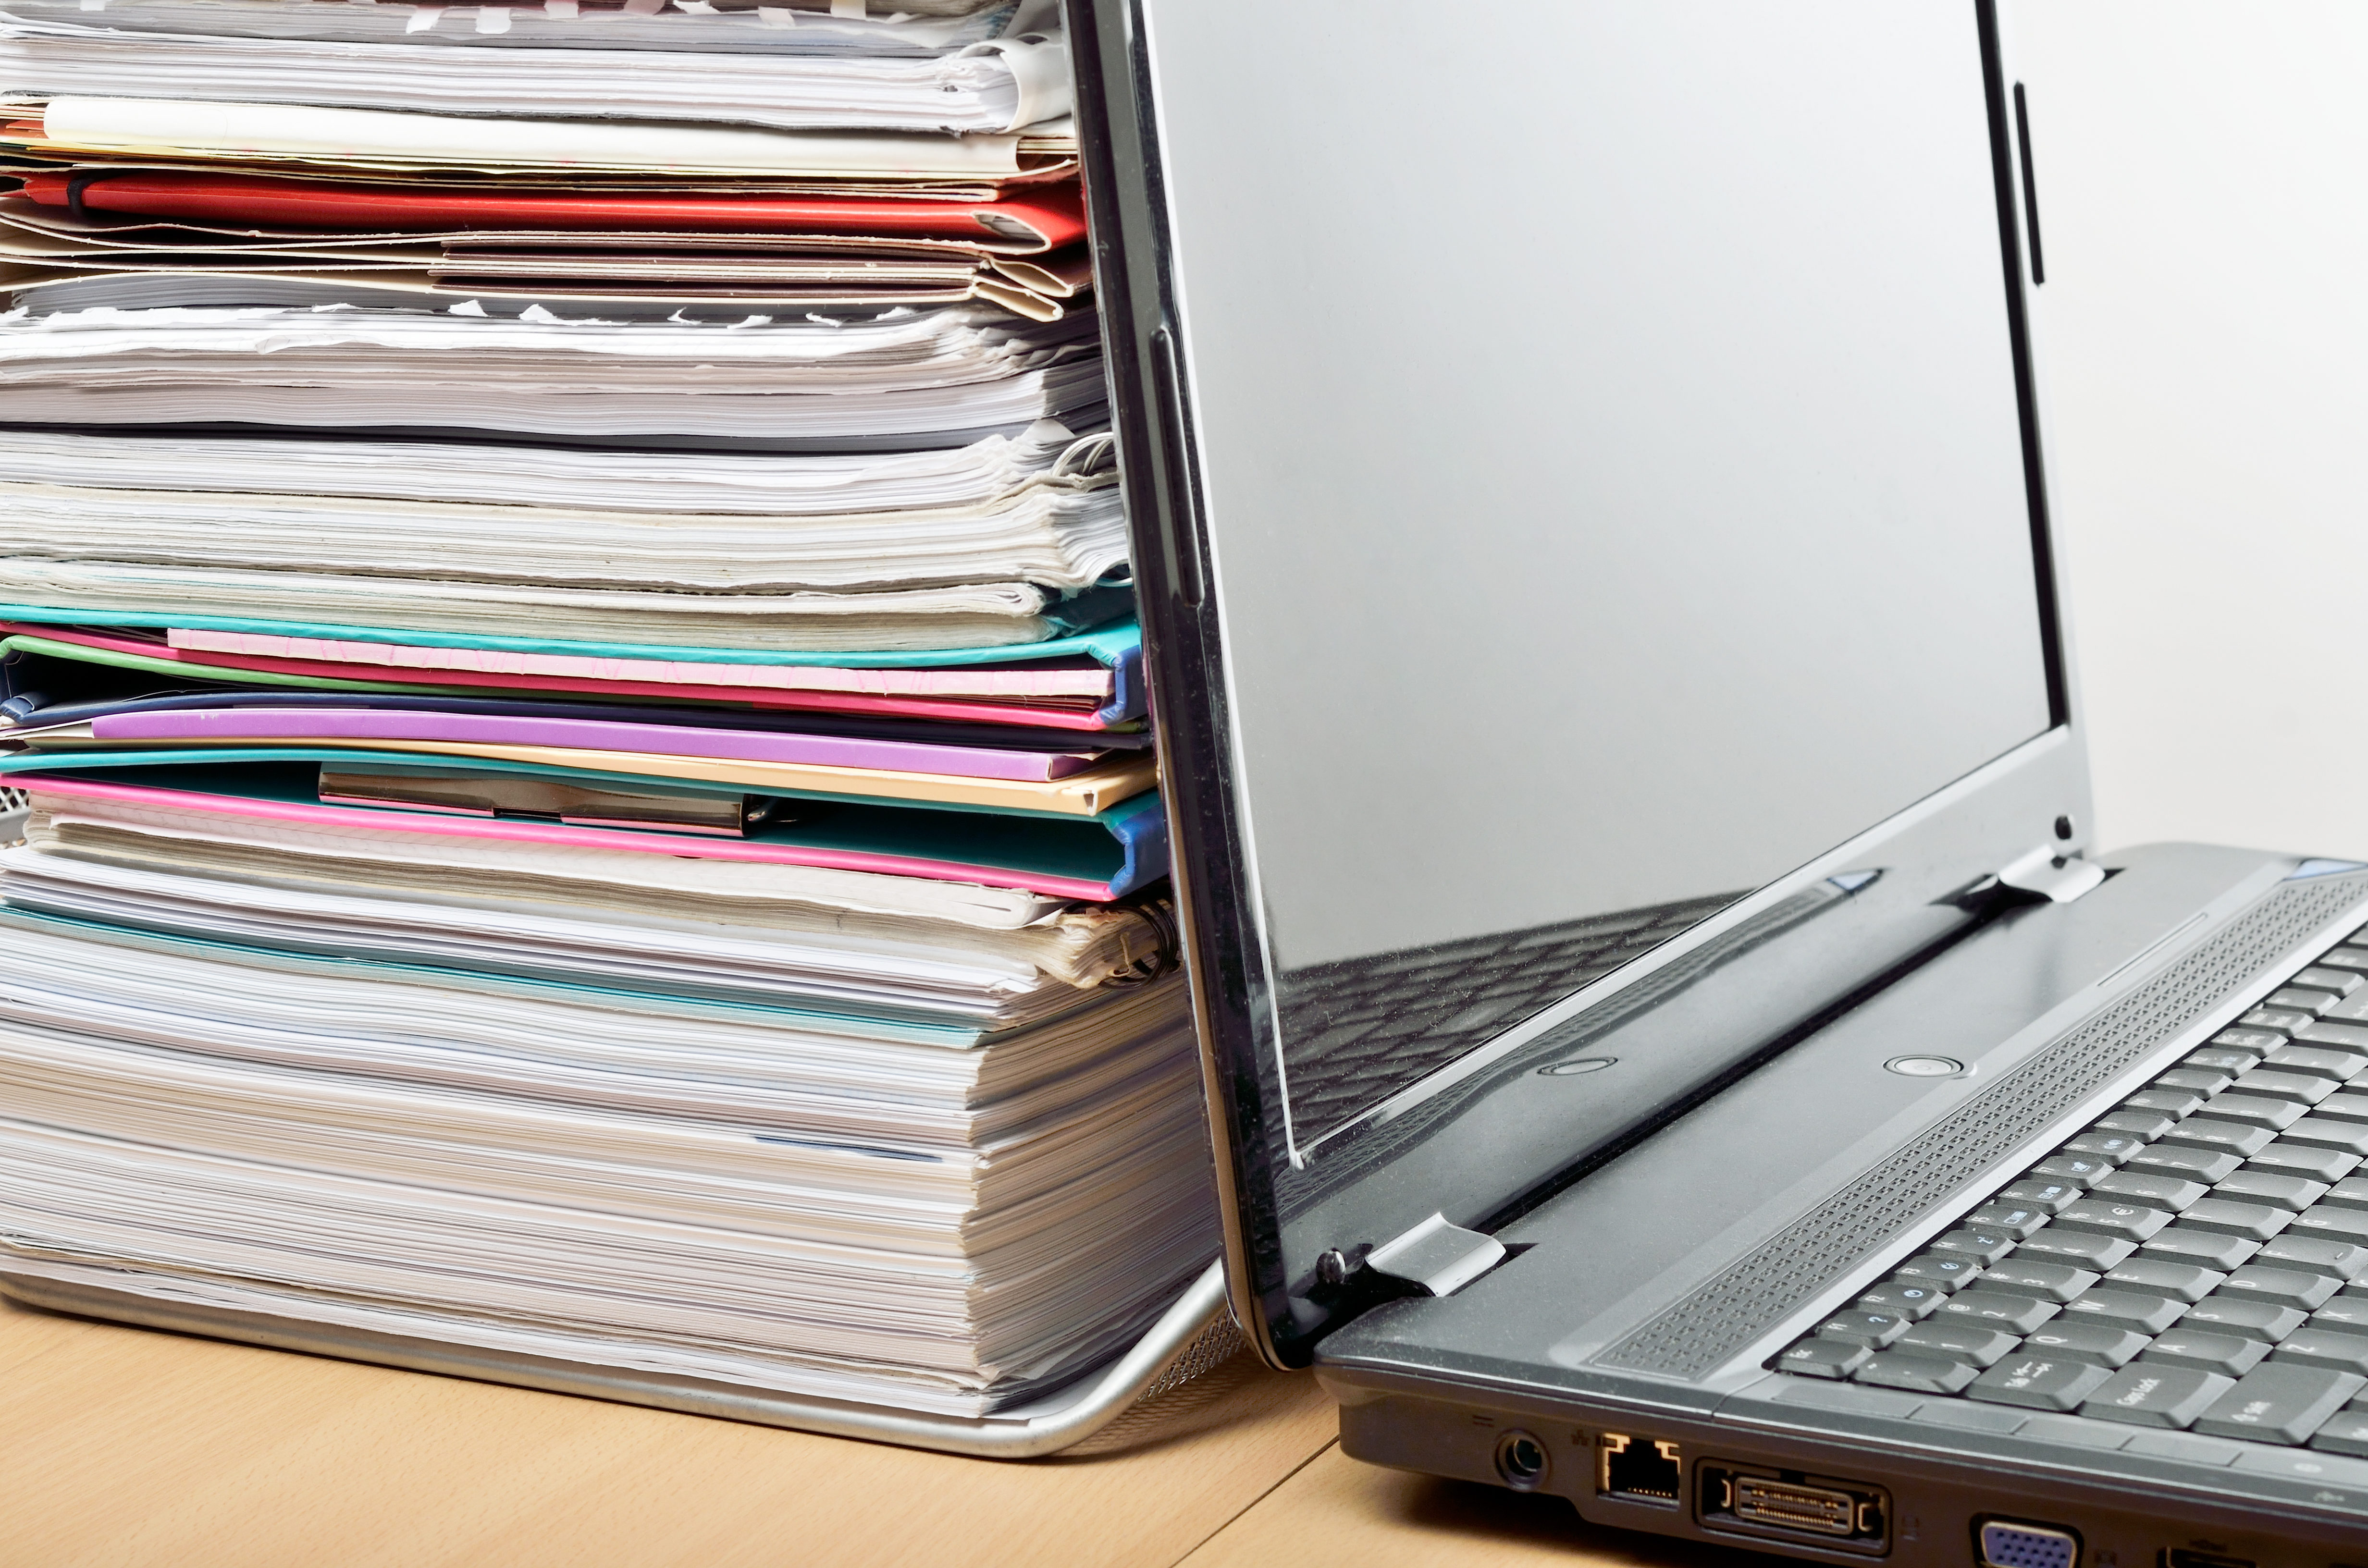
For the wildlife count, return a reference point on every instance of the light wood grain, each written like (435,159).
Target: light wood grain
(1336,1509)
(124,1448)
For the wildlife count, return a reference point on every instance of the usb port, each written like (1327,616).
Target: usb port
(1788,1505)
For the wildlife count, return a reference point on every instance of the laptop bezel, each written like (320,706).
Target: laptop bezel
(1980,823)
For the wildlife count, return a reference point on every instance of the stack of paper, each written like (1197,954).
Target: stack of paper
(778,66)
(201,153)
(581,732)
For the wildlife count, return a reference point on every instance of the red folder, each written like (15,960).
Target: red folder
(1043,219)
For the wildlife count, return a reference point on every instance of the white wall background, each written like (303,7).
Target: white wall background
(2202,170)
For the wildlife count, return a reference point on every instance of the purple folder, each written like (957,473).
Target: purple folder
(244,723)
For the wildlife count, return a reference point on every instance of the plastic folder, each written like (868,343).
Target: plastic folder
(1085,683)
(1038,220)
(1099,858)
(424,737)
(993,751)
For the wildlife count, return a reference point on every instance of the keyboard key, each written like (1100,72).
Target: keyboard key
(2253,1221)
(2287,1287)
(2048,1281)
(2351,1192)
(2339,1032)
(2017,1220)
(2334,1225)
(2082,1249)
(2284,1020)
(2311,1346)
(2326,1132)
(2292,999)
(2317,1060)
(2136,1123)
(2195,1078)
(2345,1314)
(2319,1255)
(2126,1308)
(2268,1187)
(1907,1299)
(2346,957)
(2328,977)
(2038,1383)
(2102,1216)
(2079,1169)
(2209,1248)
(1917,1374)
(2276,1402)
(1939,1268)
(2216,1137)
(1981,1244)
(1872,1329)
(1995,1308)
(2162,1277)
(2151,1394)
(2108,1146)
(2258,1110)
(2166,1099)
(2154,1190)
(1966,1342)
(2264,1321)
(2303,1160)
(2350,1105)
(2099,1342)
(2219,1060)
(2191,1164)
(2229,1354)
(2345,1432)
(2050,1195)
(2256,1043)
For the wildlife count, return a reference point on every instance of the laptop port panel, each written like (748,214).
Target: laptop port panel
(1638,1469)
(1789,1505)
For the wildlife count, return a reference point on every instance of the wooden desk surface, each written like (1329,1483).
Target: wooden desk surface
(124,1447)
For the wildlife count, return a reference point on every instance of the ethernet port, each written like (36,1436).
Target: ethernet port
(1641,1470)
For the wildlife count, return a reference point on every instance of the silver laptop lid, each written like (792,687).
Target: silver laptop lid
(1593,544)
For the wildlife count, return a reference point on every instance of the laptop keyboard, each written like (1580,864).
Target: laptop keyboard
(2195,1260)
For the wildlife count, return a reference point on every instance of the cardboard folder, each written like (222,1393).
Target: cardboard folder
(42,246)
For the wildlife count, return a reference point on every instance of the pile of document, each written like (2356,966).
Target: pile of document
(571,666)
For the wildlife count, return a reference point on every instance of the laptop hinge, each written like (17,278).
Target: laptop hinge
(2046,874)
(1440,1258)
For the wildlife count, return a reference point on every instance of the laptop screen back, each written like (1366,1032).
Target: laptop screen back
(1612,473)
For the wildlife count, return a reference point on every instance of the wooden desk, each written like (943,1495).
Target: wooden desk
(122,1448)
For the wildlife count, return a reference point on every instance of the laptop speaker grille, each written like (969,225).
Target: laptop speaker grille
(1703,1332)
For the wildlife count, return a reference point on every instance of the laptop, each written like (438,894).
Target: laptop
(1669,1043)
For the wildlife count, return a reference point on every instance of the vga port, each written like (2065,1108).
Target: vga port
(2009,1544)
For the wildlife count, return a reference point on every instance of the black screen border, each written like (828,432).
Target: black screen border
(1984,822)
